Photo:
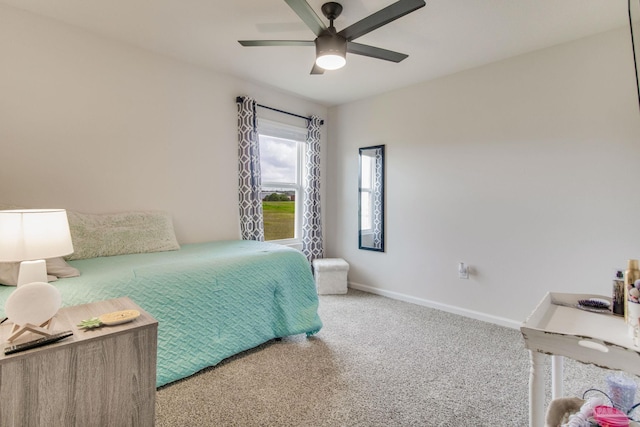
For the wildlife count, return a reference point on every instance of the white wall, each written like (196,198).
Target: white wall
(94,125)
(527,169)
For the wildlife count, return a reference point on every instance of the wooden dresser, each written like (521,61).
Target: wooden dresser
(100,377)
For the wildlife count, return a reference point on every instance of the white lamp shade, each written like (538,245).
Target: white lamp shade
(33,234)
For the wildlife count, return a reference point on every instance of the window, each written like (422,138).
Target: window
(281,164)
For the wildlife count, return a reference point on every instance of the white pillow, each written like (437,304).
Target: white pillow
(59,268)
(96,235)
(9,273)
(56,268)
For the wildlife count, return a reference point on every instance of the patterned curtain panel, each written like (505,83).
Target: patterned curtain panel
(311,224)
(251,225)
(378,203)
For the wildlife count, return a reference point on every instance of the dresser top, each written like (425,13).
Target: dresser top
(68,318)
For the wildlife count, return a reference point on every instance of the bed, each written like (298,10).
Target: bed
(212,300)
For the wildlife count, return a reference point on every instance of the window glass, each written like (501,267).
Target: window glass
(278,159)
(281,175)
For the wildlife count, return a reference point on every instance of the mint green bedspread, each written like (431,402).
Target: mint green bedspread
(212,300)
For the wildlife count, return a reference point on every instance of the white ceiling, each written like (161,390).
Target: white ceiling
(444,37)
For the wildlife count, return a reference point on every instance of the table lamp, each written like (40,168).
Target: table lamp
(30,236)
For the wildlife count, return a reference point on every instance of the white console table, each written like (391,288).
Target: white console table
(558,329)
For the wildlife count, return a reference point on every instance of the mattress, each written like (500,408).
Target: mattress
(212,300)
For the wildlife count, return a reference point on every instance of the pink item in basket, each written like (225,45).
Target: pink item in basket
(606,416)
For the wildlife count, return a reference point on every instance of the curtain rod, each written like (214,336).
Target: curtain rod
(241,98)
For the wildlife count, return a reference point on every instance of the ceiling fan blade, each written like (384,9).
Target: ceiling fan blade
(249,43)
(375,52)
(380,18)
(304,11)
(317,69)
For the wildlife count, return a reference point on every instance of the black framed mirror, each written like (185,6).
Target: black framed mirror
(371,198)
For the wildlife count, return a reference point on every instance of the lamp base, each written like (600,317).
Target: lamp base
(43,330)
(32,271)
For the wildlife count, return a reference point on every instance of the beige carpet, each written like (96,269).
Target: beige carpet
(376,362)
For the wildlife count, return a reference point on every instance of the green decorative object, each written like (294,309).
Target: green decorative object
(92,323)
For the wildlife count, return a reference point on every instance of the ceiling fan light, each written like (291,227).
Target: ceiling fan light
(331,51)
(331,62)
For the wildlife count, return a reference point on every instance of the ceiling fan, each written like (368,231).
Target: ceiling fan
(331,45)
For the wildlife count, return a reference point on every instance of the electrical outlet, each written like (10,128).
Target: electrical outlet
(463,271)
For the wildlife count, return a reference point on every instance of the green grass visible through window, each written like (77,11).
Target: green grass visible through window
(279,220)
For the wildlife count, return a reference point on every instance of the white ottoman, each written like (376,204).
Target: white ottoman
(331,275)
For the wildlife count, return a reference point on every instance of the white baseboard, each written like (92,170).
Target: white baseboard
(439,306)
